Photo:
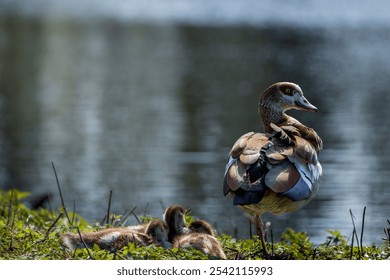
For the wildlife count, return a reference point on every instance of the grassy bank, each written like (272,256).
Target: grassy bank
(36,234)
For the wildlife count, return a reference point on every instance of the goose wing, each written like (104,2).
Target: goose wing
(259,161)
(244,154)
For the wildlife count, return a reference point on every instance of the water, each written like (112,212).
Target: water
(148,106)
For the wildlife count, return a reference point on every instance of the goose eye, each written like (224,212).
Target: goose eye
(288,91)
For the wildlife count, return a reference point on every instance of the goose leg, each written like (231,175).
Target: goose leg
(260,232)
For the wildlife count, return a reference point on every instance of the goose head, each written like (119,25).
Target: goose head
(279,98)
(174,216)
(201,227)
(158,231)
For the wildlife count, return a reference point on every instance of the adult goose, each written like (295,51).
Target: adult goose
(276,171)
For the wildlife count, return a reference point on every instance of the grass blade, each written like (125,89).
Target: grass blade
(126,214)
(85,245)
(354,234)
(53,224)
(351,254)
(362,231)
(74,210)
(108,209)
(59,190)
(136,217)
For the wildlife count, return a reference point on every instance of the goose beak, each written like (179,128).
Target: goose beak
(303,104)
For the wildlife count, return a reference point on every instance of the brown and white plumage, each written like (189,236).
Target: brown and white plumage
(112,239)
(276,171)
(201,236)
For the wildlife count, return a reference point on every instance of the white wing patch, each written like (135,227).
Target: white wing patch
(109,238)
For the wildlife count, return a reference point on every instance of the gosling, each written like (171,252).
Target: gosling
(113,239)
(201,236)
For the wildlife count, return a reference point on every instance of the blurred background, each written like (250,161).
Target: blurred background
(146,98)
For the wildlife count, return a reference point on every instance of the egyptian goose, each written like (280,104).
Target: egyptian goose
(201,236)
(113,239)
(277,171)
(174,217)
(158,232)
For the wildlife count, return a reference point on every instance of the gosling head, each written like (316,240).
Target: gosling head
(158,231)
(174,216)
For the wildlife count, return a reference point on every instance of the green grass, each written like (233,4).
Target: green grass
(36,235)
